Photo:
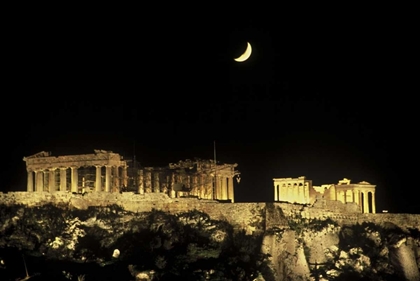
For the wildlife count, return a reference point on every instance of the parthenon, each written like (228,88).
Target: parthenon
(300,190)
(47,178)
(105,171)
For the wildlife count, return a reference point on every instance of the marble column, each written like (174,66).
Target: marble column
(51,180)
(187,182)
(281,191)
(216,187)
(39,181)
(356,197)
(276,192)
(202,189)
(301,194)
(209,187)
(220,191)
(306,191)
(289,193)
(359,199)
(285,193)
(194,185)
(373,203)
(141,182)
(74,179)
(156,183)
(124,176)
(63,179)
(45,183)
(292,193)
(333,195)
(171,181)
(168,184)
(231,194)
(224,187)
(295,193)
(30,182)
(365,202)
(148,182)
(98,179)
(116,181)
(107,178)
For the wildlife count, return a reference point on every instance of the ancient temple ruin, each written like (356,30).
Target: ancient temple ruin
(294,190)
(105,171)
(300,190)
(202,178)
(100,171)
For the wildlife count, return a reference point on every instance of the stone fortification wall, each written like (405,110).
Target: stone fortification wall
(336,206)
(247,216)
(252,217)
(401,220)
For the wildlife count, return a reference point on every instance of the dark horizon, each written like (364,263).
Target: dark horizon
(326,99)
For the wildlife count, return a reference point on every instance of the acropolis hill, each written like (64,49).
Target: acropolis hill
(107,172)
(301,216)
(104,177)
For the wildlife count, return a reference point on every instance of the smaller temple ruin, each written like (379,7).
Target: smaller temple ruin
(105,171)
(203,179)
(300,190)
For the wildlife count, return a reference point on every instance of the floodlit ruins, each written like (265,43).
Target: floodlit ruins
(105,171)
(300,190)
(99,171)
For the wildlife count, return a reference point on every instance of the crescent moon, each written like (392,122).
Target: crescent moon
(245,55)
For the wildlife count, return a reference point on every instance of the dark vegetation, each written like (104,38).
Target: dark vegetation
(374,241)
(187,246)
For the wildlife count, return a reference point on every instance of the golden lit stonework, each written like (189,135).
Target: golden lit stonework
(300,190)
(105,171)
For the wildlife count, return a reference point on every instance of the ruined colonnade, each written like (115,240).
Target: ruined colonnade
(49,173)
(201,183)
(292,190)
(56,179)
(358,195)
(106,171)
(299,190)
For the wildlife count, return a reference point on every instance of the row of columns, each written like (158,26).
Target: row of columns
(292,193)
(300,194)
(360,197)
(224,188)
(201,185)
(41,176)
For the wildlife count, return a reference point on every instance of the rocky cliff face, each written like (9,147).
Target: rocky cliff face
(200,241)
(322,249)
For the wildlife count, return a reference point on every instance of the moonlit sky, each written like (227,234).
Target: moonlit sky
(325,96)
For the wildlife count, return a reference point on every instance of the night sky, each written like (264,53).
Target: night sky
(325,96)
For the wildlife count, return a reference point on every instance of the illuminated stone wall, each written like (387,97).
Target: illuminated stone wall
(252,217)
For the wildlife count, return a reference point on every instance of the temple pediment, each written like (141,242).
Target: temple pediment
(38,155)
(364,182)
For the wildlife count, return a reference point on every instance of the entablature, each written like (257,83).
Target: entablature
(43,161)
